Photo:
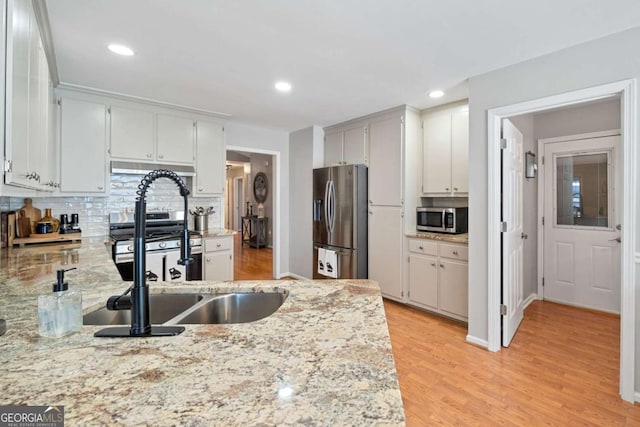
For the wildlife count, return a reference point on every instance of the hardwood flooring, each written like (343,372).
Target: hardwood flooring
(562,368)
(251,263)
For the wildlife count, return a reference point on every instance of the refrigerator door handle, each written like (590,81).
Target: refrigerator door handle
(326,207)
(332,209)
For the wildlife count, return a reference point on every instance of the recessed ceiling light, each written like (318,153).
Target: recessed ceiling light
(283,86)
(436,94)
(120,49)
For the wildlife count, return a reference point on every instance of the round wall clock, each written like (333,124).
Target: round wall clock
(260,187)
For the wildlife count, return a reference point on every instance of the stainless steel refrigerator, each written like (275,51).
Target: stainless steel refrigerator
(340,222)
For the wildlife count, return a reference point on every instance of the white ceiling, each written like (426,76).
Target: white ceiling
(344,58)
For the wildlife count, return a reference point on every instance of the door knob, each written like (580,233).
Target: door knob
(524,236)
(617,239)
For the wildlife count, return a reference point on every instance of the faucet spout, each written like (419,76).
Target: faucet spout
(140,325)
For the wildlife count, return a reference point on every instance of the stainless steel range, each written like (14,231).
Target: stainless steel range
(163,233)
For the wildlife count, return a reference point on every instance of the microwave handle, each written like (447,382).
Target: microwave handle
(444,219)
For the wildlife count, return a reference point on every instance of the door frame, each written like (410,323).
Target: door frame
(627,90)
(237,203)
(541,169)
(277,200)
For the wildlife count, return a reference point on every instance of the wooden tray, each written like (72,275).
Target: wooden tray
(47,238)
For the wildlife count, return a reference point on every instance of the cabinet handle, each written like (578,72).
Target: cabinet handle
(446,189)
(148,155)
(455,252)
(218,245)
(208,259)
(433,264)
(441,265)
(100,187)
(455,188)
(370,213)
(200,189)
(421,248)
(160,156)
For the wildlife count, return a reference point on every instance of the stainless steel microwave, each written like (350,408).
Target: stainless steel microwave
(442,220)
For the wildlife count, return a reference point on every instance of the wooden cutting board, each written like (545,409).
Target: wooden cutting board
(33,214)
(23,224)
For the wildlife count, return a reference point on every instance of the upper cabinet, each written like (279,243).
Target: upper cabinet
(146,136)
(346,144)
(210,159)
(445,152)
(28,103)
(385,160)
(83,128)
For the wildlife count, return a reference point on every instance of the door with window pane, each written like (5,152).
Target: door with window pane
(581,230)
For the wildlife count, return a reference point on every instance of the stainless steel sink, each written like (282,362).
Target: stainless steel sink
(162,307)
(233,308)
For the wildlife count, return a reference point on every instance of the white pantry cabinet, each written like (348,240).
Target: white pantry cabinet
(385,160)
(210,159)
(445,152)
(83,129)
(28,106)
(217,258)
(438,277)
(385,249)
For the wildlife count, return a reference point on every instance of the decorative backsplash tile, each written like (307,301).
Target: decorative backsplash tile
(94,211)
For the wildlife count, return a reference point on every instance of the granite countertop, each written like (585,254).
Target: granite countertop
(324,358)
(218,232)
(443,237)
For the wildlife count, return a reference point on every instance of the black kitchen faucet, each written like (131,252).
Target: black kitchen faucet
(139,301)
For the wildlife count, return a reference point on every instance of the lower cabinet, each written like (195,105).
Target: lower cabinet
(217,258)
(438,277)
(385,250)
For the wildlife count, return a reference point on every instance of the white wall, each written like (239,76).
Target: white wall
(244,137)
(305,147)
(593,117)
(598,62)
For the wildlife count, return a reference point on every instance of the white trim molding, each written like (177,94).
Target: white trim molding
(477,341)
(628,91)
(528,300)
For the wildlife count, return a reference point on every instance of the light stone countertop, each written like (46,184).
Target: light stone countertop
(442,237)
(324,358)
(218,232)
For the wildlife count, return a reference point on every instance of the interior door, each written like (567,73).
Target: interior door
(512,238)
(581,231)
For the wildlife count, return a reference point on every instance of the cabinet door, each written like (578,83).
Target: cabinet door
(131,134)
(385,162)
(436,154)
(333,149)
(175,139)
(454,284)
(460,151)
(20,28)
(83,130)
(218,266)
(355,145)
(385,249)
(210,159)
(423,280)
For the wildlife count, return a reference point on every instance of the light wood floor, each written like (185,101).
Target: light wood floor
(561,369)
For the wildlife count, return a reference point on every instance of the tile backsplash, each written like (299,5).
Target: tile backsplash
(94,211)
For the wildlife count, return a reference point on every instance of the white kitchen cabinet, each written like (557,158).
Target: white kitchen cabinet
(132,134)
(385,160)
(27,101)
(346,144)
(176,139)
(210,159)
(438,277)
(83,129)
(385,249)
(445,152)
(217,258)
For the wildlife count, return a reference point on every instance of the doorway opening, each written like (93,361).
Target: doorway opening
(626,91)
(251,211)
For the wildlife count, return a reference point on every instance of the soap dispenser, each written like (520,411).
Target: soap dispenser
(59,313)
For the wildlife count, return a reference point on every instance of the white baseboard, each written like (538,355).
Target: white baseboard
(528,300)
(297,276)
(477,341)
(636,396)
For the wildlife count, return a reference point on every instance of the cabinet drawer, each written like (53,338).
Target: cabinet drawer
(454,252)
(422,246)
(212,245)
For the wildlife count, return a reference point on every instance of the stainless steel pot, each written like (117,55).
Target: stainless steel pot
(201,218)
